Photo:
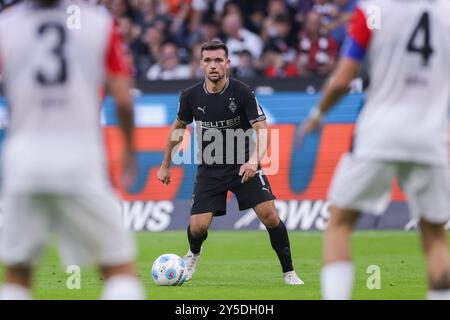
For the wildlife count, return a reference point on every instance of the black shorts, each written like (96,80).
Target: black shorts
(211,188)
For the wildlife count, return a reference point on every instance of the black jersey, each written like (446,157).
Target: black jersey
(222,119)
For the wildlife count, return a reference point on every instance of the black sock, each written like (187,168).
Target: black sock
(195,244)
(280,243)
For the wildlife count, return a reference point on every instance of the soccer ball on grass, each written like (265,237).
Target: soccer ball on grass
(169,270)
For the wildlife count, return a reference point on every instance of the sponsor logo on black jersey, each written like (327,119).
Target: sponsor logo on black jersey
(222,124)
(232,105)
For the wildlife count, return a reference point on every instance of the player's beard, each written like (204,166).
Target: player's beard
(215,78)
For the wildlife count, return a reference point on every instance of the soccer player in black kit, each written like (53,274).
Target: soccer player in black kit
(220,104)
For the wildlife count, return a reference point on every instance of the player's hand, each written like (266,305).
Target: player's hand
(312,124)
(129,169)
(164,174)
(247,171)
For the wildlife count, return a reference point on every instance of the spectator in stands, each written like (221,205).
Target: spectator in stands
(245,26)
(208,9)
(281,37)
(146,12)
(158,15)
(325,8)
(209,30)
(239,39)
(196,70)
(130,32)
(253,13)
(231,7)
(183,25)
(132,36)
(168,66)
(119,8)
(245,68)
(317,52)
(175,6)
(152,40)
(275,66)
(303,7)
(275,8)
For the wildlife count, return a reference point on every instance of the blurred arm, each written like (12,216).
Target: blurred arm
(338,84)
(119,88)
(173,140)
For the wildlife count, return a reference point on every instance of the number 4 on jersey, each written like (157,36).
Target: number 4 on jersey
(425,50)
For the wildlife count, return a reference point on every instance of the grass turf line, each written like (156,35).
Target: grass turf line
(242,265)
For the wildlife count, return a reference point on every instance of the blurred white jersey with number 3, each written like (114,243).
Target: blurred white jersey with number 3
(406,113)
(53,69)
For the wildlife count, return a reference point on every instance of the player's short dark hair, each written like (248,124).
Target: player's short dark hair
(214,45)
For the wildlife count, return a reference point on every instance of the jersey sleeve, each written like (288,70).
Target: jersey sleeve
(252,107)
(358,37)
(117,60)
(185,115)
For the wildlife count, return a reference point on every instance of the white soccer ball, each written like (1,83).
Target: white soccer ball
(169,270)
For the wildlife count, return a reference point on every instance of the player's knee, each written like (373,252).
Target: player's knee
(198,229)
(341,217)
(270,220)
(432,229)
(199,224)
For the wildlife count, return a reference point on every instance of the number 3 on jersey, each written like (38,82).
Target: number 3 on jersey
(55,53)
(425,49)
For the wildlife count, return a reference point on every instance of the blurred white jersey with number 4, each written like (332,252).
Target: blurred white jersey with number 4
(406,113)
(53,64)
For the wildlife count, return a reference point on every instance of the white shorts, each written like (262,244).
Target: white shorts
(89,228)
(366,185)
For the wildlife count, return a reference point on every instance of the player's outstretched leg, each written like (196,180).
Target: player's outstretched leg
(434,239)
(279,240)
(197,232)
(338,271)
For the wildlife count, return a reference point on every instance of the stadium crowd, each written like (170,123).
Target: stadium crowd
(270,38)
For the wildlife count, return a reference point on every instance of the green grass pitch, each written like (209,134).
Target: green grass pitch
(241,265)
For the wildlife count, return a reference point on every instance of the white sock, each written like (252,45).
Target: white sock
(336,280)
(123,287)
(439,294)
(11,291)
